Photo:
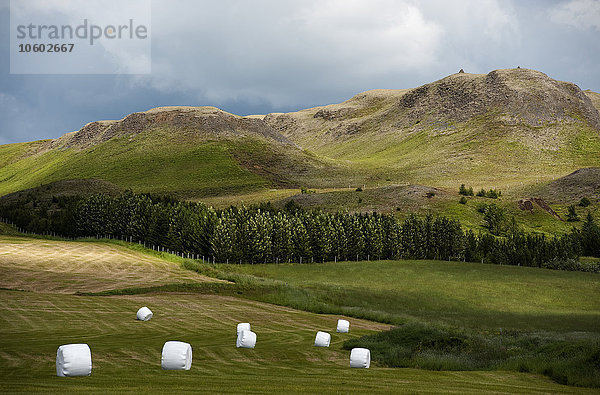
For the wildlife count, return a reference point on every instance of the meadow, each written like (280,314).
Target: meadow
(461,294)
(198,310)
(126,352)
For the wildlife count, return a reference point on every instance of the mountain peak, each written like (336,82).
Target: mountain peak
(520,96)
(205,121)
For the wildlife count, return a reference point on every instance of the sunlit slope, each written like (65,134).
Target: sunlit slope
(150,164)
(500,129)
(192,152)
(69,267)
(126,353)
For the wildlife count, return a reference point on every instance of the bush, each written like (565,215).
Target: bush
(493,194)
(482,193)
(463,200)
(430,194)
(584,202)
(570,264)
(464,191)
(572,214)
(565,360)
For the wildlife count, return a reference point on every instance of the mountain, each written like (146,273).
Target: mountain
(507,129)
(499,129)
(187,151)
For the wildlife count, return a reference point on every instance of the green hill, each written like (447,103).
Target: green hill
(553,311)
(505,129)
(514,130)
(185,151)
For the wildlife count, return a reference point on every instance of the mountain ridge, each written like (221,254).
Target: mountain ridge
(507,127)
(522,96)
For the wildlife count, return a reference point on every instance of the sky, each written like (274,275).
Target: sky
(262,56)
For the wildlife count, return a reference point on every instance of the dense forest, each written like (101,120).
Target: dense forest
(264,234)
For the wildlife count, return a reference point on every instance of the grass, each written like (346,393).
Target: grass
(148,163)
(573,360)
(46,265)
(126,352)
(165,162)
(467,295)
(452,316)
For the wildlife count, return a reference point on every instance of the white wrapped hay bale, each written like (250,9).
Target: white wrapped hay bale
(244,326)
(323,339)
(360,358)
(73,360)
(144,314)
(176,356)
(246,339)
(343,326)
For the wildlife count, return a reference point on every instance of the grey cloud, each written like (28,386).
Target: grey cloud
(264,56)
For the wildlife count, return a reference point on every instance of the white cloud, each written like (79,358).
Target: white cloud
(581,14)
(474,21)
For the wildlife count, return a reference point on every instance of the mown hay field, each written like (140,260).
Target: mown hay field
(126,353)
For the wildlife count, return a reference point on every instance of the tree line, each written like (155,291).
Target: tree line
(265,234)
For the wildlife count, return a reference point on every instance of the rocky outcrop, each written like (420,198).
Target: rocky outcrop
(517,96)
(207,121)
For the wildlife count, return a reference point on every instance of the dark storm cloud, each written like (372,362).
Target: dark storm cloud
(265,56)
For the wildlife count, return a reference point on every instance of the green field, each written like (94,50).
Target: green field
(126,353)
(459,294)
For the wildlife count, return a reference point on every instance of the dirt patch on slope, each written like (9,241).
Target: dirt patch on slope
(544,206)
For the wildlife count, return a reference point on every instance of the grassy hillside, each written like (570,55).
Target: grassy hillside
(153,162)
(459,294)
(190,152)
(126,352)
(43,265)
(504,129)
(143,165)
(573,187)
